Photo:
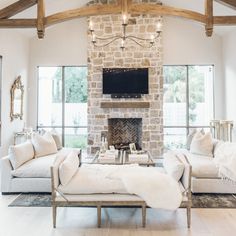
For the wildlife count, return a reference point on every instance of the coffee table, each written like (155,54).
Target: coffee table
(123,159)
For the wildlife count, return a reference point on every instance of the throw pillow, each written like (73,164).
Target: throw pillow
(57,139)
(173,165)
(44,145)
(202,144)
(21,153)
(68,168)
(190,138)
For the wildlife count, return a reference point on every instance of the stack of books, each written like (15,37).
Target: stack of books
(108,156)
(137,158)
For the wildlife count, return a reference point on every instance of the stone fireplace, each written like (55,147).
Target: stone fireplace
(103,119)
(123,131)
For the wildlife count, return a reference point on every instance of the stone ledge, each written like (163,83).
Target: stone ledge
(125,105)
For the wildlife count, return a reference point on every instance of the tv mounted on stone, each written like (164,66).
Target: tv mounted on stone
(125,82)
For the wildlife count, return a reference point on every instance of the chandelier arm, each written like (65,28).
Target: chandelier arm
(108,38)
(139,38)
(158,35)
(141,45)
(106,44)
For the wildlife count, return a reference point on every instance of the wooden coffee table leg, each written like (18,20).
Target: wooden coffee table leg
(144,215)
(99,216)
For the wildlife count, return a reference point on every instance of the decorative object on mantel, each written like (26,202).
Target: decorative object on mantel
(147,42)
(17,95)
(222,129)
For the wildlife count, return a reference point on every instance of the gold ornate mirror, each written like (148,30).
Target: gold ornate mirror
(17,94)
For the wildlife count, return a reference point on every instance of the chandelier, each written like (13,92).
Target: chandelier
(123,37)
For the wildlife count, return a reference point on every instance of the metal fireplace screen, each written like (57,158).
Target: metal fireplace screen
(123,131)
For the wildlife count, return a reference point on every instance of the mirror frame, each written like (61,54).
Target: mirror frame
(17,85)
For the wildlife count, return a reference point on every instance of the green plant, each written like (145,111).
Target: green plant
(76,141)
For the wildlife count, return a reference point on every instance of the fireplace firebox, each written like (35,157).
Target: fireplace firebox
(123,131)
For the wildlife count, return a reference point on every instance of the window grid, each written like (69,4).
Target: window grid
(188,127)
(62,127)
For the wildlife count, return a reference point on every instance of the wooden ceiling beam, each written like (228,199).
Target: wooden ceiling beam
(209,17)
(228,3)
(143,8)
(15,8)
(83,12)
(122,6)
(17,23)
(146,8)
(224,20)
(41,19)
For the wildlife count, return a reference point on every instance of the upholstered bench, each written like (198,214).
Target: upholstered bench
(99,200)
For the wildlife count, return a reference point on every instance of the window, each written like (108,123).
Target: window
(62,103)
(0,99)
(188,102)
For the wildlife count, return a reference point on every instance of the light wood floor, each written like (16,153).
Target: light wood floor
(34,221)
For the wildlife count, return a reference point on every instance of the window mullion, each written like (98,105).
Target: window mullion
(187,98)
(63,106)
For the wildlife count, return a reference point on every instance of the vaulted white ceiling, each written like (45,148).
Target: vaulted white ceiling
(53,6)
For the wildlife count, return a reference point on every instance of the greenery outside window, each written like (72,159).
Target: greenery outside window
(62,103)
(188,101)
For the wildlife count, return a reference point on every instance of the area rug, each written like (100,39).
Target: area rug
(199,200)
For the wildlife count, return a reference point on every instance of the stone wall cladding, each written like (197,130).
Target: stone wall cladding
(133,56)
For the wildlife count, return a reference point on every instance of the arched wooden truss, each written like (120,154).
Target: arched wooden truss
(122,6)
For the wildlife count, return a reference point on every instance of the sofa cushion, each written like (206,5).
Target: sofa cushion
(57,139)
(202,166)
(40,167)
(68,168)
(202,144)
(190,138)
(44,145)
(173,165)
(217,143)
(36,168)
(19,154)
(91,179)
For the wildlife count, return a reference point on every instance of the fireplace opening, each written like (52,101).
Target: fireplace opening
(123,131)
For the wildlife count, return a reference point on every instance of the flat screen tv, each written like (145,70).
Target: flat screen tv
(125,81)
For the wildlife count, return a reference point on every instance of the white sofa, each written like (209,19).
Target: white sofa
(205,173)
(33,176)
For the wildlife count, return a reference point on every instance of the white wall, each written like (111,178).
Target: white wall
(64,44)
(229,52)
(185,43)
(15,52)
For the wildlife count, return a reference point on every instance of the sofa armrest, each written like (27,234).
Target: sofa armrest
(181,154)
(6,176)
(186,178)
(78,150)
(55,181)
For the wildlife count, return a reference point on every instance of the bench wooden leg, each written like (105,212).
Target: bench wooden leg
(54,215)
(189,216)
(99,216)
(144,215)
